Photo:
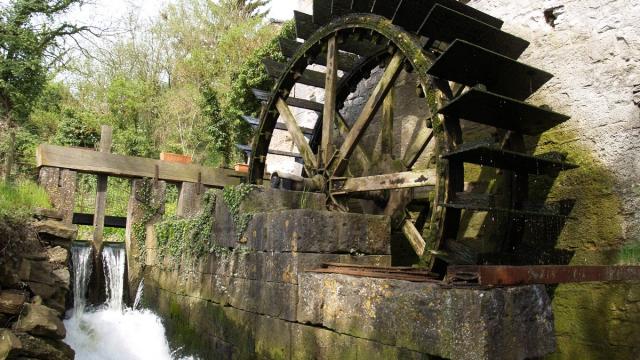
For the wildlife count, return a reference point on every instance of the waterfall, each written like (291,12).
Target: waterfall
(81,256)
(113,259)
(112,331)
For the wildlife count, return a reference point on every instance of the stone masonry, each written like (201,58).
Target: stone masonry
(254,298)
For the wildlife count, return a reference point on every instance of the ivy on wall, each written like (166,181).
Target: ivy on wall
(233,197)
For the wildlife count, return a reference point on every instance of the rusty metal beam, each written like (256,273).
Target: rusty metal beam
(539,274)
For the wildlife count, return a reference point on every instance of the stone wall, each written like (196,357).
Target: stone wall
(593,49)
(251,296)
(35,287)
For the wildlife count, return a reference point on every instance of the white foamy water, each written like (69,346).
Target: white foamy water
(113,331)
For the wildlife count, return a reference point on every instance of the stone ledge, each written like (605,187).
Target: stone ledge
(314,231)
(500,323)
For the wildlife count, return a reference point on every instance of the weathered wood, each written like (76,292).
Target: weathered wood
(394,181)
(386,130)
(97,293)
(368,112)
(109,221)
(417,146)
(106,134)
(329,113)
(255,122)
(346,61)
(308,77)
(297,136)
(415,238)
(94,162)
(359,154)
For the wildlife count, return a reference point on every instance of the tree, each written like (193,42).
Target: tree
(30,43)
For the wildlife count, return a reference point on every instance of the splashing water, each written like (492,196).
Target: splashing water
(112,331)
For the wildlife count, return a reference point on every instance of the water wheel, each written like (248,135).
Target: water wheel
(465,68)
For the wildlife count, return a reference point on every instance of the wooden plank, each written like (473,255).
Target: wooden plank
(444,24)
(262,95)
(363,6)
(254,122)
(491,109)
(321,11)
(340,7)
(329,112)
(415,238)
(386,8)
(417,146)
(297,136)
(346,61)
(386,133)
(368,112)
(308,77)
(94,162)
(304,25)
(394,181)
(469,64)
(119,222)
(359,154)
(106,134)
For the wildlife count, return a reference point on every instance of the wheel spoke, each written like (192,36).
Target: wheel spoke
(364,119)
(413,235)
(359,155)
(417,146)
(401,180)
(297,136)
(329,113)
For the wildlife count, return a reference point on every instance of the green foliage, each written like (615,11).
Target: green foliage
(31,43)
(17,201)
(252,74)
(76,130)
(233,197)
(189,238)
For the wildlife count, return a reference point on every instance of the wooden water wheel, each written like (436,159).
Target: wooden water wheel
(465,68)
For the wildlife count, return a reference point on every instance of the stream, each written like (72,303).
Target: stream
(112,331)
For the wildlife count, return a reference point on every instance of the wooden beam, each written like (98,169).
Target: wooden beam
(368,112)
(329,113)
(359,154)
(297,136)
(417,146)
(94,162)
(106,134)
(109,221)
(415,238)
(401,180)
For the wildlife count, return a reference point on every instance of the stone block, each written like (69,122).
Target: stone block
(42,348)
(190,199)
(40,320)
(60,184)
(56,229)
(11,301)
(269,298)
(505,323)
(9,344)
(317,231)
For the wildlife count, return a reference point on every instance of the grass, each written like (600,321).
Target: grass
(18,200)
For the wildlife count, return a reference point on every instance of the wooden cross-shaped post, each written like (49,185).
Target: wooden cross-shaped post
(98,221)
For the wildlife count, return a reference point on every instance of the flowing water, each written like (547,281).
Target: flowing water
(111,331)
